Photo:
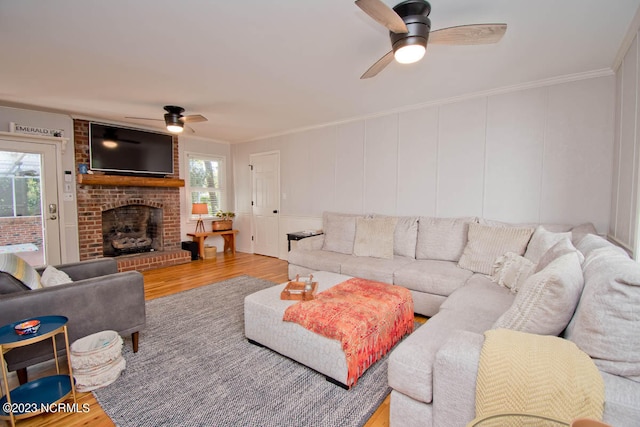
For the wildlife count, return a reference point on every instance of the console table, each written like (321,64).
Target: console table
(229,237)
(299,235)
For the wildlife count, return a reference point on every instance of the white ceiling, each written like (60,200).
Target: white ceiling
(257,67)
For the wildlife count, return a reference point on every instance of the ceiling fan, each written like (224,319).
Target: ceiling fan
(174,120)
(409,29)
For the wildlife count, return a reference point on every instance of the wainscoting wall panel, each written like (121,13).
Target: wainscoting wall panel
(624,209)
(515,149)
(381,164)
(349,178)
(418,161)
(533,155)
(461,158)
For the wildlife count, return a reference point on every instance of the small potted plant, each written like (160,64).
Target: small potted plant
(225,222)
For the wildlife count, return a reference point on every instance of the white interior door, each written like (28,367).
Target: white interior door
(29,201)
(265,202)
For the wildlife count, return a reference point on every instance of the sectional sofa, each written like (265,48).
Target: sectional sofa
(470,275)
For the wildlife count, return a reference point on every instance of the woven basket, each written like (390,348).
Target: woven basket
(222,225)
(210,252)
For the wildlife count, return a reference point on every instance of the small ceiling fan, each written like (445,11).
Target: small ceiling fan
(174,120)
(409,29)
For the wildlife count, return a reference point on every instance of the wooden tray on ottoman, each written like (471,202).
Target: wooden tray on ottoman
(295,291)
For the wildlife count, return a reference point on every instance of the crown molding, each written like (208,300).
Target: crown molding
(632,31)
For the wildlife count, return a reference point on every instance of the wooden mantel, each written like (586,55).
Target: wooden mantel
(128,181)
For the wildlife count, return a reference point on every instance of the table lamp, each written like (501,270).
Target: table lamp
(199,209)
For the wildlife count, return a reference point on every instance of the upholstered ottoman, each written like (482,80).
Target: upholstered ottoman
(263,324)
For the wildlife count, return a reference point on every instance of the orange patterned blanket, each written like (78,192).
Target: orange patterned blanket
(368,318)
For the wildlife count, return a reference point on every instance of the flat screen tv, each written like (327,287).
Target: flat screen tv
(127,151)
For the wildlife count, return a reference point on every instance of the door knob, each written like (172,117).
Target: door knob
(275,211)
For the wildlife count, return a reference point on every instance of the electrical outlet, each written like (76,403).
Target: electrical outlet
(68,197)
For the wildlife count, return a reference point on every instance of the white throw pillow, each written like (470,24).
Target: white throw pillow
(541,241)
(51,276)
(20,269)
(512,270)
(547,300)
(339,233)
(374,237)
(562,247)
(485,244)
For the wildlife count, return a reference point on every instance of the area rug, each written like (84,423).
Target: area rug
(196,368)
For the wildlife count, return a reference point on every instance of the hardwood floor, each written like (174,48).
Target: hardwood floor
(167,281)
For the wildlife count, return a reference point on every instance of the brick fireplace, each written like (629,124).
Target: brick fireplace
(106,212)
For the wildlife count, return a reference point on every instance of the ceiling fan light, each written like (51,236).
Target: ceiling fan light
(174,125)
(410,53)
(175,128)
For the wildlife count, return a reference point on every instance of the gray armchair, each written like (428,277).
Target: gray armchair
(99,299)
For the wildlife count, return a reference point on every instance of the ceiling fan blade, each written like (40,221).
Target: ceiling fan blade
(383,14)
(144,118)
(378,66)
(468,34)
(194,118)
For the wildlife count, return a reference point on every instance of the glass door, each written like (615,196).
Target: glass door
(28,202)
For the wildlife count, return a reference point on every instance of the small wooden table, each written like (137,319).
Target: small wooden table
(229,237)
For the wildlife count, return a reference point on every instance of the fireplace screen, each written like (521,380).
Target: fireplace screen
(131,229)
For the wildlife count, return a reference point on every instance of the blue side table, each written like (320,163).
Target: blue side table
(33,398)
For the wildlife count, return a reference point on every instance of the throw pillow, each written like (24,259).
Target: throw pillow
(442,239)
(374,237)
(339,233)
(511,270)
(406,235)
(541,241)
(607,319)
(20,269)
(485,244)
(547,300)
(563,246)
(51,276)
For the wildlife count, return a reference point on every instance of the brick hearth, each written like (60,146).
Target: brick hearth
(94,199)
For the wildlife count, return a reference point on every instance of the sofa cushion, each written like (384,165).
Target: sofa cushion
(318,260)
(541,241)
(512,270)
(9,284)
(590,242)
(485,244)
(20,270)
(374,237)
(607,320)
(581,230)
(547,300)
(482,295)
(442,239)
(339,233)
(555,228)
(379,270)
(433,277)
(410,368)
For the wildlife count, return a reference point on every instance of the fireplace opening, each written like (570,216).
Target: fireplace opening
(131,229)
